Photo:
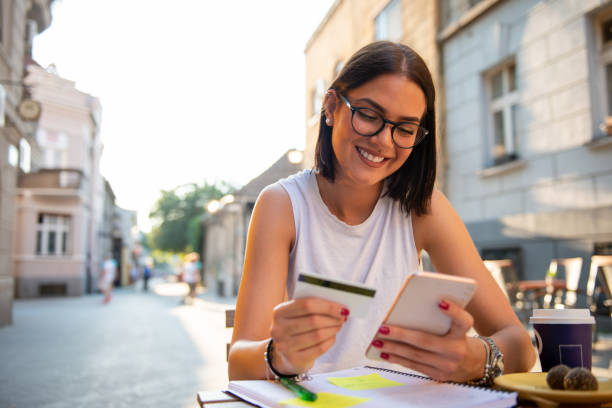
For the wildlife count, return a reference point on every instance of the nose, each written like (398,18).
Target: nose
(385,136)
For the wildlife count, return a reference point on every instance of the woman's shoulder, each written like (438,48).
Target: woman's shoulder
(273,203)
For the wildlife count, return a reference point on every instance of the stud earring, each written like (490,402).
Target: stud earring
(328,121)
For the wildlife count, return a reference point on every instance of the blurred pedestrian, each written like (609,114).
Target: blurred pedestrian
(134,273)
(105,283)
(191,275)
(146,274)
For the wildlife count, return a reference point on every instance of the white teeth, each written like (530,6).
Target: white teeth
(375,159)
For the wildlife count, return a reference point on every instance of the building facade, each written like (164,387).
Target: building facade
(20,21)
(56,206)
(226,224)
(528,91)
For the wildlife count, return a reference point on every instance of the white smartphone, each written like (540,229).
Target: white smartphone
(416,305)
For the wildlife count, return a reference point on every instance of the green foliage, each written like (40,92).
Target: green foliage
(177,213)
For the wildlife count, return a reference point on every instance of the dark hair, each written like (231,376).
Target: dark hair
(412,184)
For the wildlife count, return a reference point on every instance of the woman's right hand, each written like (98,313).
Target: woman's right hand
(302,330)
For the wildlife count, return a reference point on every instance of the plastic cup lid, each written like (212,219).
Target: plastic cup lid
(562,316)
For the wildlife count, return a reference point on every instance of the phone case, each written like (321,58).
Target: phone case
(416,305)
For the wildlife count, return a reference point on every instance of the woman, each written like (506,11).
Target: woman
(364,214)
(105,282)
(191,275)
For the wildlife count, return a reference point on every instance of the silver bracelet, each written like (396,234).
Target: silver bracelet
(494,366)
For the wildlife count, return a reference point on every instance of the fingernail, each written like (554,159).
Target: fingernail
(344,311)
(443,305)
(384,356)
(377,343)
(384,330)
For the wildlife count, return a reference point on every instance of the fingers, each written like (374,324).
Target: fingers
(462,321)
(309,306)
(438,365)
(303,329)
(439,357)
(306,341)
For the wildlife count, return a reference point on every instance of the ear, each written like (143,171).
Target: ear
(329,105)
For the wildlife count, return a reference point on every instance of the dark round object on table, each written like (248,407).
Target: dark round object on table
(555,376)
(580,379)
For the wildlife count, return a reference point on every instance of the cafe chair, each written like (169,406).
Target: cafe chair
(603,262)
(562,294)
(504,273)
(229,323)
(495,267)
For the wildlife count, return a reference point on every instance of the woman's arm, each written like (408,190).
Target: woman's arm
(444,236)
(302,329)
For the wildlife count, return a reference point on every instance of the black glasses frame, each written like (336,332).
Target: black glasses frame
(393,124)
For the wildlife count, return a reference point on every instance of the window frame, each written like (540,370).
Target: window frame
(25,155)
(598,55)
(60,230)
(383,19)
(604,59)
(506,103)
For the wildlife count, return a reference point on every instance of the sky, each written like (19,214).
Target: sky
(191,90)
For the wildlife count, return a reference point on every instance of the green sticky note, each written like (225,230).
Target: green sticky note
(363,382)
(326,400)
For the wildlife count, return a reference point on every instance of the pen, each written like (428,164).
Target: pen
(300,391)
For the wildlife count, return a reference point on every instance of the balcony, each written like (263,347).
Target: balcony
(54,179)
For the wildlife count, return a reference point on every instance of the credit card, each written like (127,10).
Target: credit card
(355,296)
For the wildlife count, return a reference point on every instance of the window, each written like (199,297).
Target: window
(13,155)
(452,10)
(25,155)
(606,60)
(52,234)
(503,104)
(54,147)
(388,23)
(602,58)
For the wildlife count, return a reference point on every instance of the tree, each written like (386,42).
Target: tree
(177,213)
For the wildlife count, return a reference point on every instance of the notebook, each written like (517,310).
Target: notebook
(367,387)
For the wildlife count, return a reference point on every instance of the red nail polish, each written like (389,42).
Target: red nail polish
(377,343)
(384,330)
(443,305)
(384,356)
(344,311)
(345,318)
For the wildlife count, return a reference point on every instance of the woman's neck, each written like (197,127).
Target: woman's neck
(349,203)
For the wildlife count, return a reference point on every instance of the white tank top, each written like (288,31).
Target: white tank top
(379,252)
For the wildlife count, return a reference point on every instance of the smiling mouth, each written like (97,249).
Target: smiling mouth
(370,157)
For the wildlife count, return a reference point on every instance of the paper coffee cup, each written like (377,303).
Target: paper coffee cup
(563,336)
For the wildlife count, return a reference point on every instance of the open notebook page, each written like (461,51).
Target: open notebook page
(387,389)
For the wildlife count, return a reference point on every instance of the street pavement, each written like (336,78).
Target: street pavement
(140,350)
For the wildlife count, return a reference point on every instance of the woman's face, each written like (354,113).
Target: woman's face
(369,160)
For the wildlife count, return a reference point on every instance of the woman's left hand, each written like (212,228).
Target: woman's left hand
(450,357)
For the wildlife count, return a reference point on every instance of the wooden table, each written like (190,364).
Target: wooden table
(535,290)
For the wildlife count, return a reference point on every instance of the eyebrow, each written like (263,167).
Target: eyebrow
(383,110)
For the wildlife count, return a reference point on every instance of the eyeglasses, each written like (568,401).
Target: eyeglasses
(368,122)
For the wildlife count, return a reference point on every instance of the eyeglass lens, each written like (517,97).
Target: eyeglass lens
(368,123)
